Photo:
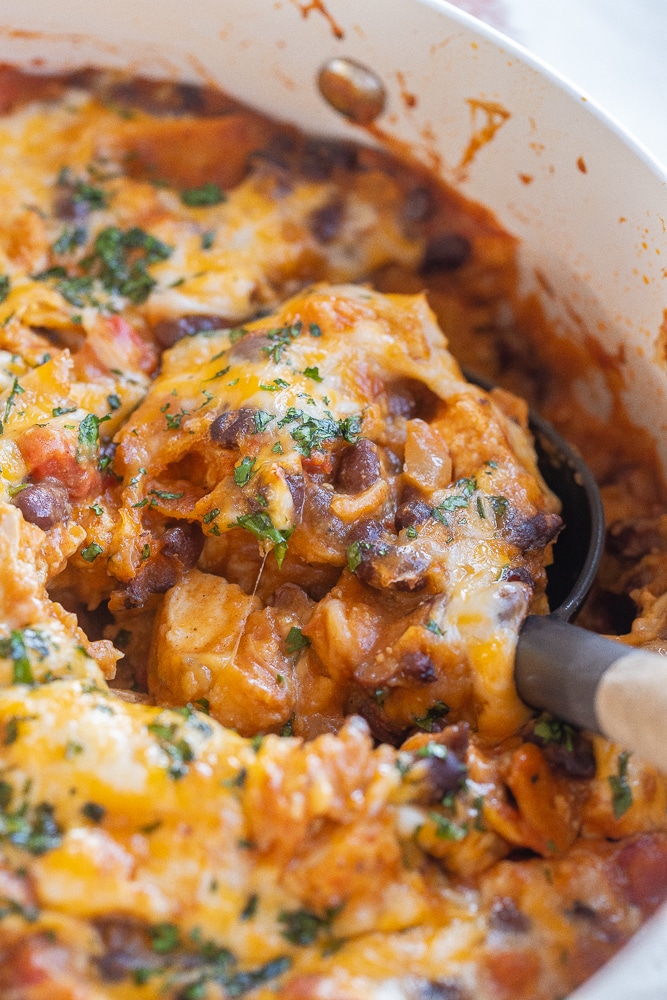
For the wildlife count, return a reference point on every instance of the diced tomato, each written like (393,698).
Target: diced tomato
(51,453)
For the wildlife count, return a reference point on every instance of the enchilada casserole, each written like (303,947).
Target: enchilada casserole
(265,556)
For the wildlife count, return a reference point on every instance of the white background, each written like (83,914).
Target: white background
(613,50)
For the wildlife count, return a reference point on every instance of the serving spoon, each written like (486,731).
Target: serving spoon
(583,678)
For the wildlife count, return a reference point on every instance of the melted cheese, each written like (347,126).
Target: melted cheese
(299,515)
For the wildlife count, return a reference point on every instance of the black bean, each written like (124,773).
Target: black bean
(573,758)
(533,533)
(44,504)
(72,209)
(191,97)
(253,347)
(366,531)
(385,565)
(183,542)
(228,427)
(168,331)
(411,398)
(411,513)
(444,775)
(297,489)
(418,666)
(418,205)
(439,989)
(156,576)
(107,453)
(321,157)
(582,911)
(446,252)
(325,222)
(401,402)
(634,539)
(383,729)
(126,948)
(507,917)
(359,467)
(519,574)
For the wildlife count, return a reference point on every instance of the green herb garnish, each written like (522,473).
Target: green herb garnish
(199,197)
(262,527)
(296,641)
(621,792)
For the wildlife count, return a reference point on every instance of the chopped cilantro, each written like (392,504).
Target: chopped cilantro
(354,556)
(243,982)
(16,390)
(309,432)
(243,472)
(314,330)
(14,648)
(174,745)
(4,287)
(554,731)
(296,641)
(288,729)
(262,527)
(303,927)
(250,908)
(350,428)
(207,239)
(500,505)
(219,374)
(435,712)
(119,259)
(446,829)
(433,627)
(165,495)
(72,749)
(211,515)
(88,438)
(313,373)
(620,788)
(70,238)
(164,938)
(76,290)
(453,502)
(262,419)
(87,194)
(33,829)
(433,750)
(280,338)
(174,419)
(114,401)
(91,552)
(199,197)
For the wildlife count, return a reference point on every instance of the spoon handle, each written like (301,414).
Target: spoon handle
(595,683)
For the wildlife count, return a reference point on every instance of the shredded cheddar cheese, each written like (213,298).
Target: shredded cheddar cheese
(265,554)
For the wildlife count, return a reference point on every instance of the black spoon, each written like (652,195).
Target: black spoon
(581,677)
